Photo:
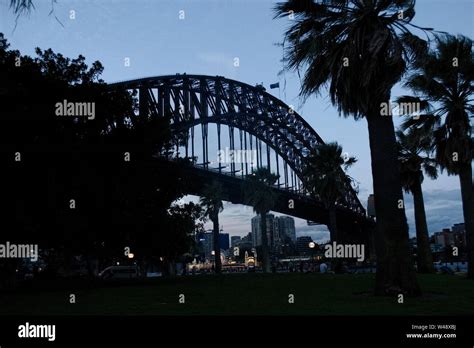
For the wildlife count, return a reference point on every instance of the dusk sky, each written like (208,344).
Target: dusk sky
(206,41)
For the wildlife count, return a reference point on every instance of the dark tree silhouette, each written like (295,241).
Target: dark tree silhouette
(117,203)
(413,155)
(443,87)
(212,204)
(325,179)
(360,49)
(259,194)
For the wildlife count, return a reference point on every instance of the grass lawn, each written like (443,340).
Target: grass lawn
(250,294)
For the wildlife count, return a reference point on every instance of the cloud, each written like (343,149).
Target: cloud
(443,209)
(319,233)
(215,61)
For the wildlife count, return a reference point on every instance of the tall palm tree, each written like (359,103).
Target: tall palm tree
(360,49)
(412,156)
(324,178)
(212,204)
(259,194)
(443,87)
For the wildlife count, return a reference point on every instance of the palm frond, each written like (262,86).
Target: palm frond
(258,191)
(324,177)
(414,156)
(211,201)
(444,79)
(20,7)
(328,39)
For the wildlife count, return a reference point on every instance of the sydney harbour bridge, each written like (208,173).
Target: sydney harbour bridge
(216,115)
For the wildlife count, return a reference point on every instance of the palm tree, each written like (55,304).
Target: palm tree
(24,7)
(412,156)
(20,7)
(259,194)
(360,49)
(443,87)
(212,204)
(324,179)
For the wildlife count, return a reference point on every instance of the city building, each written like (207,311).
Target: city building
(459,235)
(246,243)
(248,237)
(302,245)
(224,241)
(458,228)
(256,229)
(280,227)
(207,241)
(454,237)
(436,248)
(444,238)
(447,238)
(371,206)
(235,241)
(284,227)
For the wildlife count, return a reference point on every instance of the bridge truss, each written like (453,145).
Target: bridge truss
(255,120)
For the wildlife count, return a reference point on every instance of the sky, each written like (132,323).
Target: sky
(161,37)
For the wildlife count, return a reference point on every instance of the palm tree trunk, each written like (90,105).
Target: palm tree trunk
(424,258)
(335,237)
(333,225)
(395,271)
(465,177)
(265,256)
(217,249)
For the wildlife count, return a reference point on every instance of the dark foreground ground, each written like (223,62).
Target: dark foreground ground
(248,294)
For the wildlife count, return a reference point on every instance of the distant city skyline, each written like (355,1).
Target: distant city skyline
(236,226)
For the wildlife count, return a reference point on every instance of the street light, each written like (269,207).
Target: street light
(213,258)
(312,245)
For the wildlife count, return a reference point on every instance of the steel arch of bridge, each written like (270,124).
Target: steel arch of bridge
(191,100)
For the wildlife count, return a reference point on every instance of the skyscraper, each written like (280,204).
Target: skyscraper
(224,241)
(208,244)
(256,229)
(302,245)
(235,240)
(371,206)
(284,227)
(207,240)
